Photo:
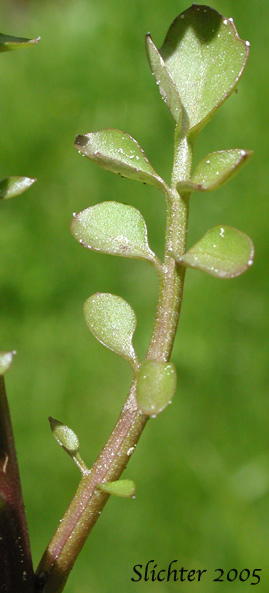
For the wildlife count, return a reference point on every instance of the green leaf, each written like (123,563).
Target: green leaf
(6,359)
(14,186)
(113,228)
(156,386)
(119,153)
(67,439)
(206,58)
(121,488)
(8,42)
(215,169)
(164,79)
(223,251)
(64,436)
(112,321)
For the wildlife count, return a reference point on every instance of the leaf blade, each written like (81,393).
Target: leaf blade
(156,386)
(113,228)
(10,187)
(120,488)
(10,42)
(206,58)
(215,169)
(112,322)
(64,436)
(119,153)
(223,251)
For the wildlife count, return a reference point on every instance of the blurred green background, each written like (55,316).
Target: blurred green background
(202,467)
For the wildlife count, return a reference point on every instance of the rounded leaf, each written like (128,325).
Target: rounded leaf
(14,186)
(121,488)
(163,79)
(112,321)
(215,169)
(205,57)
(64,436)
(223,251)
(156,386)
(8,42)
(113,228)
(119,153)
(6,359)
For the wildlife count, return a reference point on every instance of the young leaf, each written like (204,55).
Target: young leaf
(121,488)
(215,169)
(223,251)
(156,386)
(14,186)
(164,79)
(113,228)
(6,359)
(206,58)
(67,439)
(112,321)
(119,153)
(8,42)
(65,436)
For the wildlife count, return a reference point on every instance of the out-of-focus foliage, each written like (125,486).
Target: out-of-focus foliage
(201,468)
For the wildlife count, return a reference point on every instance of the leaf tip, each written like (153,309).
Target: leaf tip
(80,141)
(35,40)
(6,359)
(29,181)
(246,153)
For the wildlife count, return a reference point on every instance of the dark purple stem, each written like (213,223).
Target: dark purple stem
(16,569)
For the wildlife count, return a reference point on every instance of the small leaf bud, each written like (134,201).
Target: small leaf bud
(64,436)
(121,488)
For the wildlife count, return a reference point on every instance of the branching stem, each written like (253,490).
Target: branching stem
(88,501)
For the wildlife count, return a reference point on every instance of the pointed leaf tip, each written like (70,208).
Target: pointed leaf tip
(121,488)
(118,153)
(6,359)
(112,322)
(65,436)
(113,228)
(14,186)
(156,386)
(215,169)
(223,252)
(205,57)
(9,42)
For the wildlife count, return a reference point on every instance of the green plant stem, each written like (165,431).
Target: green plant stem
(88,501)
(172,281)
